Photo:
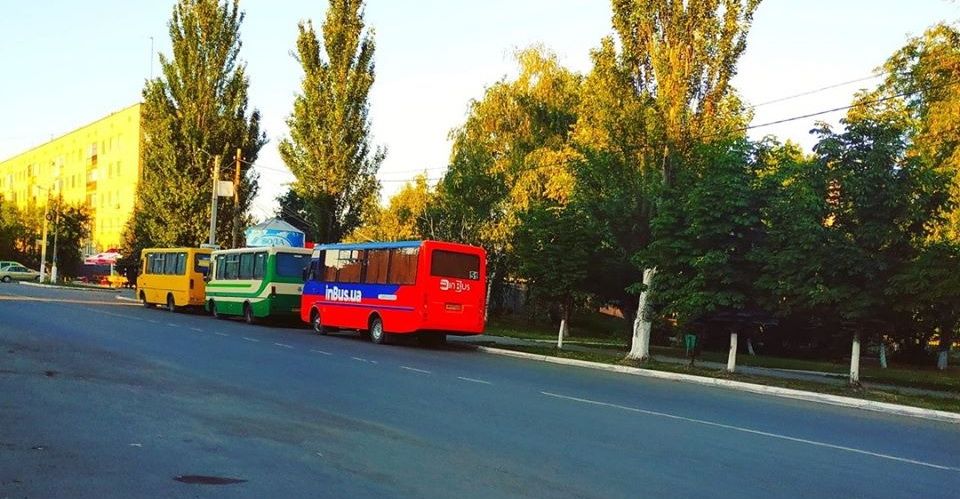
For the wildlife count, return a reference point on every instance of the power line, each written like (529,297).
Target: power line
(817,90)
(851,106)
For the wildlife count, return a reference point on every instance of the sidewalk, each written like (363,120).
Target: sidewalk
(825,378)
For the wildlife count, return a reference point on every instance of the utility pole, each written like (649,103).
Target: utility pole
(213,200)
(56,236)
(43,243)
(236,200)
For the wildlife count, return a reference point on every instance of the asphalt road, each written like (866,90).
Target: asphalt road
(101,398)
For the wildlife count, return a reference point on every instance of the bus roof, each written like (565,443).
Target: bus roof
(265,249)
(365,246)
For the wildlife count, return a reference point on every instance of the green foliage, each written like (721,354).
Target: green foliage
(705,230)
(329,148)
(923,73)
(19,231)
(196,110)
(845,226)
(73,229)
(512,154)
(293,209)
(553,248)
(398,221)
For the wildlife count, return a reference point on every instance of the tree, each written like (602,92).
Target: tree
(18,234)
(329,148)
(73,229)
(847,225)
(676,63)
(704,232)
(553,248)
(921,89)
(513,153)
(292,208)
(399,220)
(196,110)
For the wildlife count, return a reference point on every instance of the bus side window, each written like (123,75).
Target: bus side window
(351,266)
(146,263)
(403,266)
(246,265)
(378,263)
(231,267)
(181,264)
(331,264)
(218,267)
(259,265)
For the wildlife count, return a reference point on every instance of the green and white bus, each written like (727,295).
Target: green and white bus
(256,282)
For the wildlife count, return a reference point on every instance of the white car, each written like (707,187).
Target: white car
(17,272)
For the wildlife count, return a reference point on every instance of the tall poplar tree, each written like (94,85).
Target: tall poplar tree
(329,148)
(675,64)
(194,111)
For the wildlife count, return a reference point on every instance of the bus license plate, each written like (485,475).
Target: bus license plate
(454,307)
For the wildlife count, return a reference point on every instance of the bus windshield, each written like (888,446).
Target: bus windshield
(291,265)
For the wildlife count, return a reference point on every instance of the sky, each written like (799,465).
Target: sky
(67,63)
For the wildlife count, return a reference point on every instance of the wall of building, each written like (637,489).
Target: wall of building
(97,165)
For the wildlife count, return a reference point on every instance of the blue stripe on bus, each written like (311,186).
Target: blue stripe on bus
(364,305)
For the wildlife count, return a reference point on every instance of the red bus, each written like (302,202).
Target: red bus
(429,288)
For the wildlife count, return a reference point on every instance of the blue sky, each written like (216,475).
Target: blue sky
(66,63)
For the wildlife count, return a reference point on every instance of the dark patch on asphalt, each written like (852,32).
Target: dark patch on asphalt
(207,480)
(50,374)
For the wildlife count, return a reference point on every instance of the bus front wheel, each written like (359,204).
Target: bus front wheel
(143,300)
(377,334)
(315,322)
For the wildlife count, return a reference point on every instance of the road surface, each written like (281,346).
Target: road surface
(102,398)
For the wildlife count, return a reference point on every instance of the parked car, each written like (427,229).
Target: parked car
(19,273)
(6,263)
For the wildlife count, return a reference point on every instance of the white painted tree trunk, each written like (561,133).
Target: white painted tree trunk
(732,356)
(883,355)
(562,334)
(855,361)
(943,359)
(640,345)
(750,347)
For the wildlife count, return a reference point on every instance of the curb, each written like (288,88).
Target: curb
(124,298)
(70,288)
(790,393)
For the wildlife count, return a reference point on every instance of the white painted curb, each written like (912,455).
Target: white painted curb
(71,288)
(823,398)
(124,298)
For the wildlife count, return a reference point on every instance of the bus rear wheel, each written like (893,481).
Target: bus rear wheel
(248,316)
(377,334)
(143,300)
(315,322)
(213,310)
(171,305)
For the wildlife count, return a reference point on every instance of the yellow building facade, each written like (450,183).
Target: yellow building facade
(97,165)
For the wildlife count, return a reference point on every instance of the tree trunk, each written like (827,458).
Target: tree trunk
(640,345)
(855,361)
(943,358)
(564,316)
(750,347)
(732,356)
(883,354)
